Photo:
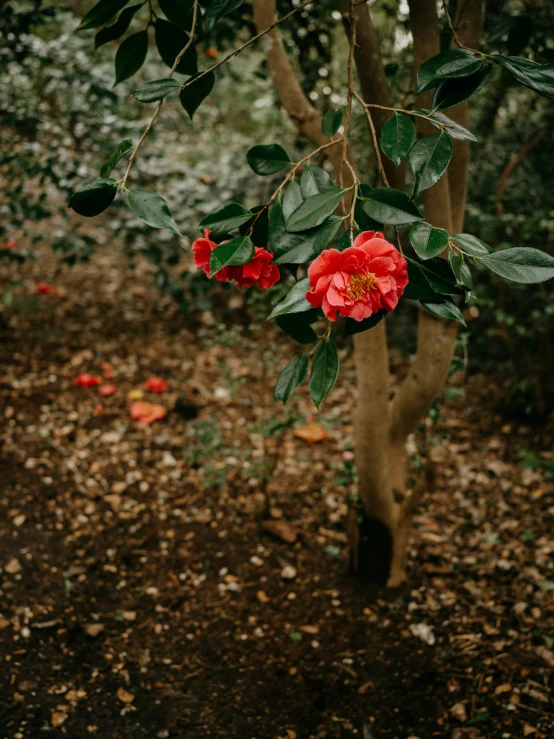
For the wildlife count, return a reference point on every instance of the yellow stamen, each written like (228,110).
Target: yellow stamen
(360,285)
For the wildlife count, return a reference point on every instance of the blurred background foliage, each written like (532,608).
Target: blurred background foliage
(62,117)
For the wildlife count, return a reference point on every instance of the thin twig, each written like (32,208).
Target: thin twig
(202,74)
(374,137)
(397,110)
(354,198)
(451,26)
(350,93)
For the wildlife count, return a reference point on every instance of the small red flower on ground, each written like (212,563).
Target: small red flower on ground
(86,380)
(147,412)
(106,390)
(258,271)
(45,289)
(12,244)
(365,278)
(156,384)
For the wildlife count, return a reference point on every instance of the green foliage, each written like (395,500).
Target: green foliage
(451,64)
(331,121)
(314,210)
(268,159)
(390,206)
(94,198)
(428,158)
(294,302)
(291,377)
(196,90)
(130,56)
(325,370)
(397,137)
(235,252)
(156,90)
(427,240)
(153,209)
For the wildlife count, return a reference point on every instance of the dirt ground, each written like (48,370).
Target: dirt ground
(189,578)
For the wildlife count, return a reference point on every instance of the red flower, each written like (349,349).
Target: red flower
(365,278)
(106,390)
(156,384)
(86,380)
(46,289)
(258,271)
(147,412)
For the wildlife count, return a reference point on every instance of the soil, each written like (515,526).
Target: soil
(189,578)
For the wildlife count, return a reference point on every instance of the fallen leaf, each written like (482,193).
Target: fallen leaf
(13,566)
(106,390)
(312,433)
(504,688)
(124,696)
(288,572)
(459,712)
(147,412)
(528,730)
(99,410)
(282,530)
(58,718)
(94,629)
(262,597)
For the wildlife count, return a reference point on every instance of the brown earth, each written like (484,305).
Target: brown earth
(189,578)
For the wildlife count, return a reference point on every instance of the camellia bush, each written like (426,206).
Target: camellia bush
(352,250)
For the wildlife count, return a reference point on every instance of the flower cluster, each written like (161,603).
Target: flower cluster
(365,278)
(258,271)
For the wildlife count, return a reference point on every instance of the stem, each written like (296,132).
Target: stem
(451,26)
(351,91)
(374,137)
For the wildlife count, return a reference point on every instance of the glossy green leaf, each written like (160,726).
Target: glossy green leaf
(418,287)
(226,219)
(427,240)
(268,159)
(439,275)
(453,92)
(331,121)
(178,12)
(397,137)
(170,41)
(538,77)
(153,209)
(291,377)
(314,210)
(471,244)
(259,225)
(194,94)
(390,206)
(453,129)
(315,180)
(298,325)
(452,63)
(292,198)
(325,370)
(447,309)
(130,56)
(94,198)
(352,327)
(231,253)
(294,302)
(115,156)
(117,29)
(460,270)
(521,264)
(156,90)
(301,248)
(428,158)
(101,13)
(218,8)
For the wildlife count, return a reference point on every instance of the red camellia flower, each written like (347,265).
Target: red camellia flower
(45,289)
(258,271)
(86,380)
(365,278)
(156,384)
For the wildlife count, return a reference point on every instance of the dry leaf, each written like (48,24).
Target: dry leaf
(94,629)
(124,695)
(312,433)
(13,566)
(282,530)
(58,718)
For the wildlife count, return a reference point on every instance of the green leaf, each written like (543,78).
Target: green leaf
(130,56)
(472,245)
(460,270)
(446,309)
(325,370)
(294,302)
(300,248)
(152,209)
(298,325)
(331,122)
(259,225)
(268,159)
(101,13)
(453,129)
(418,287)
(352,327)
(115,156)
(218,8)
(115,31)
(521,264)
(390,206)
(538,77)
(291,377)
(453,92)
(439,275)
(428,158)
(178,12)
(314,210)
(427,240)
(234,252)
(397,137)
(170,41)
(94,198)
(194,94)
(450,64)
(226,219)
(292,198)
(156,90)
(315,180)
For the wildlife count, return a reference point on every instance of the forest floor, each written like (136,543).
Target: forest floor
(189,578)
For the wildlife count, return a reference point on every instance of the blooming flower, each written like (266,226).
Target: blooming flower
(156,384)
(365,278)
(258,271)
(147,412)
(86,380)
